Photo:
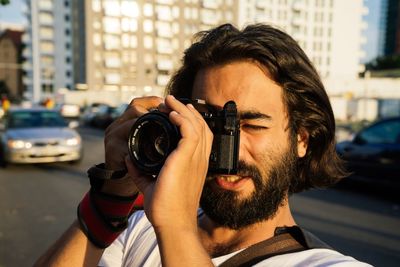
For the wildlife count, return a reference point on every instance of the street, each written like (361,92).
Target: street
(38,202)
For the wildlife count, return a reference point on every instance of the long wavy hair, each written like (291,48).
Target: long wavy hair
(306,101)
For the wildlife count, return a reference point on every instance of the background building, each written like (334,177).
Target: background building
(113,50)
(48,52)
(132,47)
(390,41)
(10,64)
(330,31)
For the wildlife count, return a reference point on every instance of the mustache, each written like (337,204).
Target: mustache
(245,170)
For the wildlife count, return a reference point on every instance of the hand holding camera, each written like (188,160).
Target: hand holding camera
(153,137)
(115,143)
(172,199)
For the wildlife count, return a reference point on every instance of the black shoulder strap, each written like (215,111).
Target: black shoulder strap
(285,240)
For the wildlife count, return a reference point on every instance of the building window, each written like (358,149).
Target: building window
(47,47)
(96,5)
(67,32)
(148,42)
(112,8)
(111,25)
(112,78)
(112,61)
(112,42)
(148,10)
(129,9)
(68,60)
(45,18)
(66,17)
(47,33)
(148,26)
(68,73)
(129,25)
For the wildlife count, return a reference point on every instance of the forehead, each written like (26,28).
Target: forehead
(244,82)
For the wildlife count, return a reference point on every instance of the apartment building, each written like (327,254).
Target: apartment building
(10,62)
(134,46)
(330,31)
(48,51)
(131,47)
(390,28)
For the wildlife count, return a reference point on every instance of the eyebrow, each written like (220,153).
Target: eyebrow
(253,115)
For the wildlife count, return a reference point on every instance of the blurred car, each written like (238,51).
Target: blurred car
(89,113)
(70,111)
(38,135)
(343,133)
(103,117)
(373,155)
(119,110)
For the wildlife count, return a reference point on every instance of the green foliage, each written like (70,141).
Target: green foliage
(4,2)
(384,63)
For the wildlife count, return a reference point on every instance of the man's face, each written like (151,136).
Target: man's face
(267,155)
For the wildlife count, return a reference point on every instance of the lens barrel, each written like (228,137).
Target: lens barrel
(152,138)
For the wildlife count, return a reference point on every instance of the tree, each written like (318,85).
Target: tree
(4,2)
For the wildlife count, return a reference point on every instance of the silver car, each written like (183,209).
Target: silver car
(38,135)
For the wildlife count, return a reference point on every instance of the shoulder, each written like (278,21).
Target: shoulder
(313,257)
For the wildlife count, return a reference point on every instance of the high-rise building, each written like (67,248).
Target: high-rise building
(48,52)
(329,31)
(10,64)
(135,45)
(390,28)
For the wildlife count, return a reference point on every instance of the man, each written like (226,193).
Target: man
(286,146)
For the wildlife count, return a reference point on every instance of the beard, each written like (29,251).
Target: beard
(227,209)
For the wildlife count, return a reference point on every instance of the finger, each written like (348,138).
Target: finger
(140,106)
(163,108)
(174,104)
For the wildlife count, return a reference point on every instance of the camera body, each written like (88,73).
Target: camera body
(153,137)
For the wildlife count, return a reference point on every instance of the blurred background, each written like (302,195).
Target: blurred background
(82,61)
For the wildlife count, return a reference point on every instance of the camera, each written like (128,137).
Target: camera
(153,137)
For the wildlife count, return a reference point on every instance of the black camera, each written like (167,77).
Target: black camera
(153,137)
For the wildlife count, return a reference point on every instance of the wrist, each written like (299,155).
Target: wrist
(103,217)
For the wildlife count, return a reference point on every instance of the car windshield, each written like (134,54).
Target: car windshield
(35,119)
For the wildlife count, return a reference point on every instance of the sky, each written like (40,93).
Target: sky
(12,13)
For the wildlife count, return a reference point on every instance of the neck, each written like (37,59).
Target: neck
(219,240)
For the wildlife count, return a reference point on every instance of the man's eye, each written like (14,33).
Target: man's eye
(254,127)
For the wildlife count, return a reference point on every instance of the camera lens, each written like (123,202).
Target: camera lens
(154,144)
(152,138)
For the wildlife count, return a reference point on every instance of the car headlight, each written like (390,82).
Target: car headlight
(19,144)
(73,141)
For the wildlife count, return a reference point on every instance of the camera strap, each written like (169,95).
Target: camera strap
(286,240)
(98,173)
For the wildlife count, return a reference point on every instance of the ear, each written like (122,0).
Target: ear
(302,142)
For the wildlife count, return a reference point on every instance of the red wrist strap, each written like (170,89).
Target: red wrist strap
(98,211)
(113,207)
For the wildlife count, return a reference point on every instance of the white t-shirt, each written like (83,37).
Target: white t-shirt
(137,246)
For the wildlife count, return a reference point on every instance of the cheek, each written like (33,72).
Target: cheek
(258,148)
